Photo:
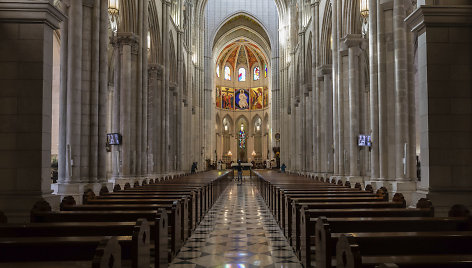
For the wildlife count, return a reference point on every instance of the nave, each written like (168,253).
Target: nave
(239,231)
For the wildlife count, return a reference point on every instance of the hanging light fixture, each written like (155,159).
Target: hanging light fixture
(364,8)
(113,14)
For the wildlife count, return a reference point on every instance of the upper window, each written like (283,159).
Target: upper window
(242,74)
(227,73)
(218,70)
(265,71)
(257,73)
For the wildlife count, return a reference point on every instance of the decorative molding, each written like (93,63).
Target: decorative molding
(426,16)
(352,40)
(40,11)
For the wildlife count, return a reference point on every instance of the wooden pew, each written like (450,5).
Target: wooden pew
(426,261)
(329,230)
(371,249)
(128,211)
(141,232)
(194,200)
(46,252)
(103,216)
(147,204)
(293,211)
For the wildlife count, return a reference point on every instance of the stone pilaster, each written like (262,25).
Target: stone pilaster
(27,29)
(445,79)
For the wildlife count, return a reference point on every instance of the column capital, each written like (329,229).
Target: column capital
(155,70)
(324,70)
(425,16)
(125,39)
(315,3)
(40,11)
(353,40)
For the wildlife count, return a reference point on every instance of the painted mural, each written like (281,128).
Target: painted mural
(218,97)
(256,98)
(242,99)
(227,98)
(266,97)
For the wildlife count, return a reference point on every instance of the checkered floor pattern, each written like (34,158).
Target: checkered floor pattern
(239,231)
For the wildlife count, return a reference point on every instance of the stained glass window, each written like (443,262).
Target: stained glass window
(257,73)
(265,70)
(227,73)
(242,138)
(242,74)
(218,70)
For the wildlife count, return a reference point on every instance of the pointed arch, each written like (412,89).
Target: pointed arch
(308,61)
(172,60)
(326,37)
(155,33)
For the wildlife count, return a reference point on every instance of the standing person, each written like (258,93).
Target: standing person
(240,171)
(283,167)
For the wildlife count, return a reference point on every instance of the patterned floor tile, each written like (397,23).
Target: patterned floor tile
(239,231)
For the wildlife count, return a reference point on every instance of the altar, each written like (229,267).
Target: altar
(246,169)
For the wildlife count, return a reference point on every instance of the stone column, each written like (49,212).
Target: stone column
(103,95)
(26,78)
(63,99)
(166,139)
(445,62)
(401,89)
(144,75)
(74,93)
(128,45)
(382,95)
(353,42)
(334,31)
(374,99)
(317,144)
(115,125)
(326,99)
(152,137)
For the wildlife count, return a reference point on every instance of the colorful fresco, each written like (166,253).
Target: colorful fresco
(266,97)
(227,98)
(256,98)
(218,97)
(242,99)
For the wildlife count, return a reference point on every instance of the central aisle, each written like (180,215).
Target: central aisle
(239,231)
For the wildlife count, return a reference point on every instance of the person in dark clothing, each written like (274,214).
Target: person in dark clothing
(283,167)
(240,172)
(194,167)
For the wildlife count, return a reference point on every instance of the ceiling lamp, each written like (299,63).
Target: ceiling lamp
(364,8)
(113,14)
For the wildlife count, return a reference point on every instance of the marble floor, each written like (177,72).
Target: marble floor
(239,231)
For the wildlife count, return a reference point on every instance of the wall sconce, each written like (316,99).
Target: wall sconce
(230,153)
(113,14)
(253,154)
(364,8)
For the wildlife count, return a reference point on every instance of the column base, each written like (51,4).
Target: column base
(77,190)
(405,187)
(353,180)
(443,201)
(17,206)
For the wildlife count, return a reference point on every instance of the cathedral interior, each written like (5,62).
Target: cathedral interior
(102,96)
